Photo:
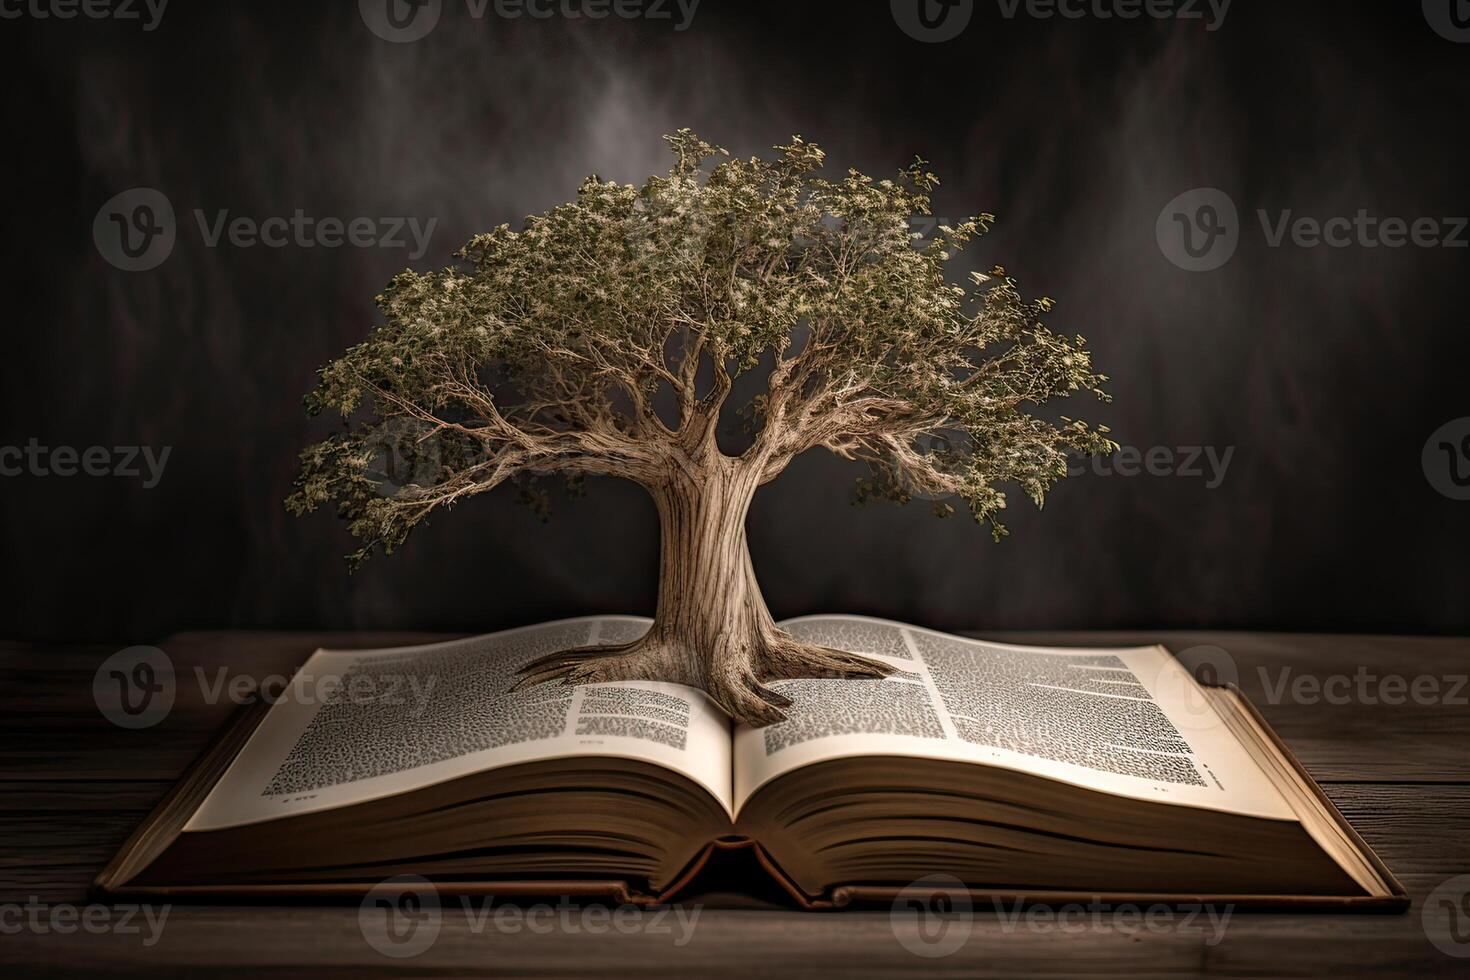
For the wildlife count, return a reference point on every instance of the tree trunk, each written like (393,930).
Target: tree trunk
(712,629)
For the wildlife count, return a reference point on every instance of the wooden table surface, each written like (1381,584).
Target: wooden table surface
(72,786)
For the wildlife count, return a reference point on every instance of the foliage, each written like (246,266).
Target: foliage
(550,350)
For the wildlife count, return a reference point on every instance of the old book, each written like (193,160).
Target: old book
(1036,772)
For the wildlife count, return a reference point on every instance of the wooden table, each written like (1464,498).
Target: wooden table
(72,786)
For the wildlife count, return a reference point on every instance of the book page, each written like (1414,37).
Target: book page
(356,725)
(1131,722)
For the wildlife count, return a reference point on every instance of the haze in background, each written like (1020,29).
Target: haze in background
(1321,370)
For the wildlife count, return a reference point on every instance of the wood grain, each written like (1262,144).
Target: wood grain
(72,787)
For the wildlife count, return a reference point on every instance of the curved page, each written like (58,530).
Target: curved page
(1129,722)
(356,725)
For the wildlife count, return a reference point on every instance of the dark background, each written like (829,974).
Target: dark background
(1326,369)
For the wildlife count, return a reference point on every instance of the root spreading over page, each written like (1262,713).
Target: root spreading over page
(1010,767)
(433,713)
(459,717)
(1103,719)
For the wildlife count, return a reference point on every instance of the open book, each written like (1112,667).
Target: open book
(1018,770)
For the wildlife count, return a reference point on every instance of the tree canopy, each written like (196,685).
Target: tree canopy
(603,338)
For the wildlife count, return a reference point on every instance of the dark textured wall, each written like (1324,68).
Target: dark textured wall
(1322,370)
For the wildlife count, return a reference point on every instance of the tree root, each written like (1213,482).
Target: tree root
(592,665)
(734,675)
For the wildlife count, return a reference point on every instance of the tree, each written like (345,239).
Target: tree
(604,339)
